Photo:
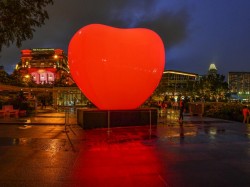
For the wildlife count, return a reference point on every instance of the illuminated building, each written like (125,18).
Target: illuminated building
(178,82)
(44,65)
(212,69)
(239,83)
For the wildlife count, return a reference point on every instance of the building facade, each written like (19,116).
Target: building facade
(239,83)
(47,66)
(44,65)
(178,82)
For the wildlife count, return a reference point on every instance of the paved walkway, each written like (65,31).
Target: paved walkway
(46,116)
(42,151)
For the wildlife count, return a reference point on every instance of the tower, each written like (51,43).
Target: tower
(212,69)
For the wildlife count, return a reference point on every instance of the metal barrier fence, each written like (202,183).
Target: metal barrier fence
(70,115)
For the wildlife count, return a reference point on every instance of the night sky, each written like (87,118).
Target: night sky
(196,33)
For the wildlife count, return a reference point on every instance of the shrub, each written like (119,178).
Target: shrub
(227,111)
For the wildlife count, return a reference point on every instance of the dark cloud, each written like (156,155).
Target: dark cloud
(66,17)
(195,33)
(171,26)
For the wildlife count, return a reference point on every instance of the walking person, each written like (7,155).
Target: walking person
(182,108)
(245,112)
(43,101)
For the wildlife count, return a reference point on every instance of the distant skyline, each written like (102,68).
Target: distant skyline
(195,33)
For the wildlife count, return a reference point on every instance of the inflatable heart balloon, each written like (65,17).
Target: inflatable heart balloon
(116,69)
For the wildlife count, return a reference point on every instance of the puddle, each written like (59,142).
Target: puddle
(35,143)
(8,141)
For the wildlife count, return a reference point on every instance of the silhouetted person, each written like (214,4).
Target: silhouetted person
(43,102)
(182,108)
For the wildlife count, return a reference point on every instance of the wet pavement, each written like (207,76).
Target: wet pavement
(43,151)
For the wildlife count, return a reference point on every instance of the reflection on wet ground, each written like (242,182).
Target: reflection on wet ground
(198,152)
(188,132)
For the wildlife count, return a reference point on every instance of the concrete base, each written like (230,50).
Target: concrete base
(95,118)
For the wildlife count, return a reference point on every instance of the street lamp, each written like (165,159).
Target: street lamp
(55,56)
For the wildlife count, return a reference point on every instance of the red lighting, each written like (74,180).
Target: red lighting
(128,164)
(26,52)
(116,68)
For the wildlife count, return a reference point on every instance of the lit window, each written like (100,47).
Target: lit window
(50,77)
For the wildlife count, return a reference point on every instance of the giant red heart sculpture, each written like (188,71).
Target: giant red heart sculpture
(116,68)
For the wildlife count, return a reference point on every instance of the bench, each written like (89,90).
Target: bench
(8,110)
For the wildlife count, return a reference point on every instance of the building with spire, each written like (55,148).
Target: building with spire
(212,69)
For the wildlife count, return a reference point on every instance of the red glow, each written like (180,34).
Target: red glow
(26,52)
(125,164)
(58,52)
(116,68)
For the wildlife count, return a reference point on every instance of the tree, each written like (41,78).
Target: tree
(16,79)
(19,18)
(62,81)
(4,77)
(212,86)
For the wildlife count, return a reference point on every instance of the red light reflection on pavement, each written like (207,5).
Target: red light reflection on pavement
(124,164)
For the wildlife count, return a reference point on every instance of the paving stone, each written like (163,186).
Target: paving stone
(200,152)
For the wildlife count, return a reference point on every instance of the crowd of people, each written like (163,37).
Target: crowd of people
(180,105)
